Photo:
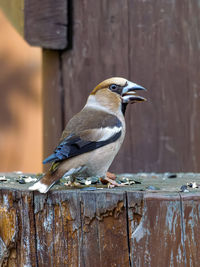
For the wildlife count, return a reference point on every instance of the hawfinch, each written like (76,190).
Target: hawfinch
(93,136)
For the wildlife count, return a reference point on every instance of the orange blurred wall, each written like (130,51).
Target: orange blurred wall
(20,102)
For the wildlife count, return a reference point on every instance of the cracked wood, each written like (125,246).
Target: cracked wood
(99,228)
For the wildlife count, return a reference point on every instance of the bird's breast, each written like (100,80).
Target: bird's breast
(100,160)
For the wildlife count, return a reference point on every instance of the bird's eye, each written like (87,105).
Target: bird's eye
(113,86)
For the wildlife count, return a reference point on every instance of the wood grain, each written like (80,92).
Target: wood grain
(17,229)
(57,219)
(107,227)
(163,57)
(191,231)
(104,232)
(91,59)
(159,231)
(46,23)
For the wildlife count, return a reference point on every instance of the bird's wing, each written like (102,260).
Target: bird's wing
(81,141)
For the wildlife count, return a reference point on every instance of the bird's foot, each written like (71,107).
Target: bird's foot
(110,180)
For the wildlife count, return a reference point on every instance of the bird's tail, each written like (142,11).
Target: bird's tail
(47,181)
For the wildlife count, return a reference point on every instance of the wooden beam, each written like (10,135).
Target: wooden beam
(107,227)
(41,23)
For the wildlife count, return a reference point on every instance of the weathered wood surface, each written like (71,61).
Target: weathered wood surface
(17,229)
(156,45)
(41,23)
(104,227)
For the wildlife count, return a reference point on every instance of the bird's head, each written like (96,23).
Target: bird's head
(115,93)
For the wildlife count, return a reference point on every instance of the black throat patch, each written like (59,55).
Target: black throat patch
(123,107)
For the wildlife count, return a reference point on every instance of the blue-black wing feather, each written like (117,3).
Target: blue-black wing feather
(73,145)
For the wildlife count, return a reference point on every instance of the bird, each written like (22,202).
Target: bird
(92,137)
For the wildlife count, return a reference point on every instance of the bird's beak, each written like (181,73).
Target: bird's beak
(129,94)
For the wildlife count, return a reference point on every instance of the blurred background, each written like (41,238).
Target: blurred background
(20,102)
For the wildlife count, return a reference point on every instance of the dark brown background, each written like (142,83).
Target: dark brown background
(153,43)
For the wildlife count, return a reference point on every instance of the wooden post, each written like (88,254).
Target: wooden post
(41,23)
(103,227)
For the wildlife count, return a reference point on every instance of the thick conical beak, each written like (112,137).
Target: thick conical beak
(129,94)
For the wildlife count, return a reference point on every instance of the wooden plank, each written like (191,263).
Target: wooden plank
(8,228)
(191,231)
(104,227)
(57,218)
(17,229)
(104,231)
(46,23)
(159,231)
(163,44)
(41,23)
(135,206)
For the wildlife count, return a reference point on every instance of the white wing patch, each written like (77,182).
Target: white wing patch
(108,132)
